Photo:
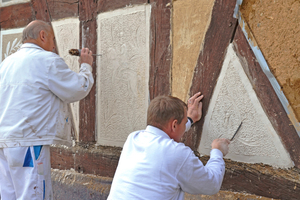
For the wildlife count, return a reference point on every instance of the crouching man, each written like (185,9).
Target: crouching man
(155,165)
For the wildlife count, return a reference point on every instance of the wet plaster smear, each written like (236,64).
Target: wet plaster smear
(122,73)
(67,37)
(233,101)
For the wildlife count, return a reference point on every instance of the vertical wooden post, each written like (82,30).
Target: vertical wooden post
(88,38)
(161,50)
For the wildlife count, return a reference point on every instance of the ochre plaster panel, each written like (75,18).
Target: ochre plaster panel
(67,37)
(10,42)
(122,73)
(190,21)
(275,26)
(234,101)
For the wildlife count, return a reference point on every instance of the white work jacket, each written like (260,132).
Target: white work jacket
(153,166)
(35,89)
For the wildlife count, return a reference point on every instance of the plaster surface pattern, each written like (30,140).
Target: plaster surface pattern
(190,21)
(67,37)
(234,101)
(123,73)
(10,42)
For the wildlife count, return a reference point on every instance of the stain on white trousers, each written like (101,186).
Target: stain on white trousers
(25,173)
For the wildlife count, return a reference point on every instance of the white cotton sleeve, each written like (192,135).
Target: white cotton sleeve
(188,125)
(195,178)
(68,85)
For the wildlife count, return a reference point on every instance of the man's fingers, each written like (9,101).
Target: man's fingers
(228,141)
(194,97)
(86,50)
(199,98)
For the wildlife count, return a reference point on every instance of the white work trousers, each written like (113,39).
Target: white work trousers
(25,173)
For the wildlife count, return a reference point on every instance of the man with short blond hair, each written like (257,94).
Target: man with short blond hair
(36,86)
(155,165)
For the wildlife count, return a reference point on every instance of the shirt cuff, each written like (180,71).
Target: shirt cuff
(87,66)
(188,125)
(216,153)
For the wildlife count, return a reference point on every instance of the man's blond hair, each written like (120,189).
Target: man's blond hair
(164,108)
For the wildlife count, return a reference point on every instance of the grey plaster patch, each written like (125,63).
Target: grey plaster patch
(10,42)
(233,101)
(122,73)
(67,37)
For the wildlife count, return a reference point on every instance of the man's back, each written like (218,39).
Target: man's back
(35,87)
(153,166)
(25,96)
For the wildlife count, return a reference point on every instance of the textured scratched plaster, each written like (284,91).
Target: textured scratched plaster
(233,101)
(275,26)
(4,3)
(10,42)
(189,24)
(67,37)
(123,73)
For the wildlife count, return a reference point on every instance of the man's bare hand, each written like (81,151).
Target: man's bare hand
(195,107)
(86,56)
(221,144)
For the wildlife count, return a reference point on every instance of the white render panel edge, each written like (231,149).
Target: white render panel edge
(7,32)
(256,141)
(67,37)
(12,2)
(120,125)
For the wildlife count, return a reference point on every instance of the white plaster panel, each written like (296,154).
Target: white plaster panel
(233,101)
(67,37)
(10,42)
(123,73)
(4,3)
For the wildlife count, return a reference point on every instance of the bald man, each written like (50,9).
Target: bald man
(36,86)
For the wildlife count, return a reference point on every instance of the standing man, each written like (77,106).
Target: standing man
(154,165)
(36,86)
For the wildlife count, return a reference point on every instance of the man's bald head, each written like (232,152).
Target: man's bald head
(33,30)
(40,33)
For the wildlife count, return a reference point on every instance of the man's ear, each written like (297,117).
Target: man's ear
(42,35)
(174,124)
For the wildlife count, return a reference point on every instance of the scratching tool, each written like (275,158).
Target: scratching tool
(236,131)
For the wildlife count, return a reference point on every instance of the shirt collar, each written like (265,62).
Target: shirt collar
(31,45)
(156,131)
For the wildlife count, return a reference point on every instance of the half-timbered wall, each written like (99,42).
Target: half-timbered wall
(164,47)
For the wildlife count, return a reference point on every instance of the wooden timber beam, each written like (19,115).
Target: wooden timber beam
(161,51)
(16,16)
(107,5)
(267,97)
(210,61)
(258,179)
(88,38)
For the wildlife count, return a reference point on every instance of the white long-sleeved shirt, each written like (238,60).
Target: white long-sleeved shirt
(153,166)
(35,89)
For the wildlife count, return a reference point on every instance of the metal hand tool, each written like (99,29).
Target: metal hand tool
(236,131)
